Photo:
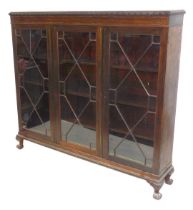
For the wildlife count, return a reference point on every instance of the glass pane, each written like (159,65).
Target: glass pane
(132,96)
(33,73)
(77,64)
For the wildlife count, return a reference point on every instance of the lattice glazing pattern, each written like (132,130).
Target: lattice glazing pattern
(132,96)
(77,62)
(33,79)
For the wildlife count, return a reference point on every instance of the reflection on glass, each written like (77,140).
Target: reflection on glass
(132,96)
(77,63)
(33,74)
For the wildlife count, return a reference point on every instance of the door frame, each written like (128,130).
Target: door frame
(138,30)
(25,132)
(58,136)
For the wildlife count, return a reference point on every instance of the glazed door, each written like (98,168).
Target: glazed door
(131,95)
(78,70)
(32,77)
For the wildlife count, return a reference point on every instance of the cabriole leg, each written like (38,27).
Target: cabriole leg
(168,180)
(20,140)
(157,186)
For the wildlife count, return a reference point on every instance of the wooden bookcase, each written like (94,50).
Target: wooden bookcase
(101,86)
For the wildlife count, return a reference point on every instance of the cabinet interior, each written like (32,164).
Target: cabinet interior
(132,89)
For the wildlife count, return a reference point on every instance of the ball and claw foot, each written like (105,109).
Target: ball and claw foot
(157,195)
(168,181)
(157,186)
(20,144)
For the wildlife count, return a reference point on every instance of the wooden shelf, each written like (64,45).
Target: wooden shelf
(147,70)
(140,102)
(34,83)
(144,138)
(144,133)
(83,62)
(123,67)
(85,122)
(87,62)
(88,123)
(76,93)
(81,93)
(40,58)
(141,133)
(140,139)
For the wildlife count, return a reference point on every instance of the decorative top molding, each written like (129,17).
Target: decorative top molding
(100,13)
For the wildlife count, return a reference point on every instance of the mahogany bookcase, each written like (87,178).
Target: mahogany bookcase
(101,86)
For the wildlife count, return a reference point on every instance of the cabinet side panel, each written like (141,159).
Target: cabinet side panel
(16,78)
(170,95)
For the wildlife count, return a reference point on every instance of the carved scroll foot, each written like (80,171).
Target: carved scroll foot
(168,180)
(20,140)
(157,186)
